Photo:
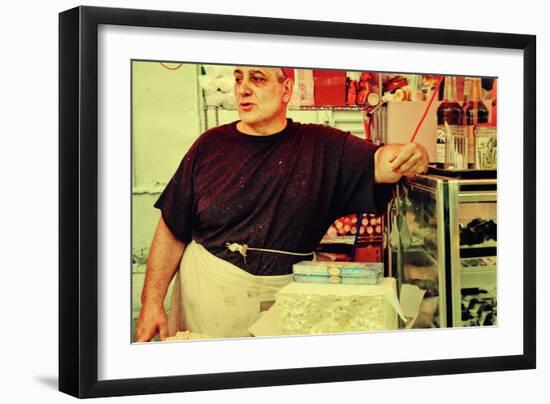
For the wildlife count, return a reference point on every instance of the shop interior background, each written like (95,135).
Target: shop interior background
(36,380)
(174,102)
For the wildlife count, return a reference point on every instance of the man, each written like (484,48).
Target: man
(253,197)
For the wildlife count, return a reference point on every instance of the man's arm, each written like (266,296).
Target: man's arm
(164,257)
(393,161)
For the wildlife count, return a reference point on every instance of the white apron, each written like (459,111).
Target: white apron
(214,297)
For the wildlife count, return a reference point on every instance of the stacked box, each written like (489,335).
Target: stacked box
(356,273)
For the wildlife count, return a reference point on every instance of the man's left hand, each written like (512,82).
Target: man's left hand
(394,161)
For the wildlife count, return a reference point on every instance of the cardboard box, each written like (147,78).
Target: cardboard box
(330,296)
(330,87)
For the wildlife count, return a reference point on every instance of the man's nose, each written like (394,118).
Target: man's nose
(244,88)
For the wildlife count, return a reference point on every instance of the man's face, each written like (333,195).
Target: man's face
(261,96)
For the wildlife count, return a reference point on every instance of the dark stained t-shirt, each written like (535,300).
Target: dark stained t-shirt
(279,192)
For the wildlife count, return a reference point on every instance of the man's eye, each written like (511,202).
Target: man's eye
(258,79)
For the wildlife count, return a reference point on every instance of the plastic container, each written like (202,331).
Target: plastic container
(486,147)
(456,152)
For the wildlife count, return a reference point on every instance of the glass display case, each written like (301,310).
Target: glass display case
(443,239)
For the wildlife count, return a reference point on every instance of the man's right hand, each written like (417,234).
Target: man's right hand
(152,321)
(162,263)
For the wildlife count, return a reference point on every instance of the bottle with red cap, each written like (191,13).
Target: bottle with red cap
(449,119)
(475,112)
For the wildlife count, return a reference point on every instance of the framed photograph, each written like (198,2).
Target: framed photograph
(206,160)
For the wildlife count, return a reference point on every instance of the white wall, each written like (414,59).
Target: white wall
(28,163)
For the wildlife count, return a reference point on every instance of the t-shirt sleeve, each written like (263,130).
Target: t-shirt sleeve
(356,190)
(176,201)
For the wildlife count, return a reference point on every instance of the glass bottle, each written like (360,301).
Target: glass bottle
(449,120)
(475,112)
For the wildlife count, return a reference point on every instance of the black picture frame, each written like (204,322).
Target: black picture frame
(78,200)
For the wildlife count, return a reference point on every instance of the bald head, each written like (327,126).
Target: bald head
(277,71)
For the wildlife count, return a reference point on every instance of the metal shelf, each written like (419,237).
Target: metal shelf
(328,108)
(303,108)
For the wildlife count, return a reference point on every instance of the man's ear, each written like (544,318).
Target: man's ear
(288,89)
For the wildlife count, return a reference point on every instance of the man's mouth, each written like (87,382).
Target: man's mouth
(246,106)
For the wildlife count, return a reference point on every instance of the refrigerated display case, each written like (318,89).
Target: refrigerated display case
(444,240)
